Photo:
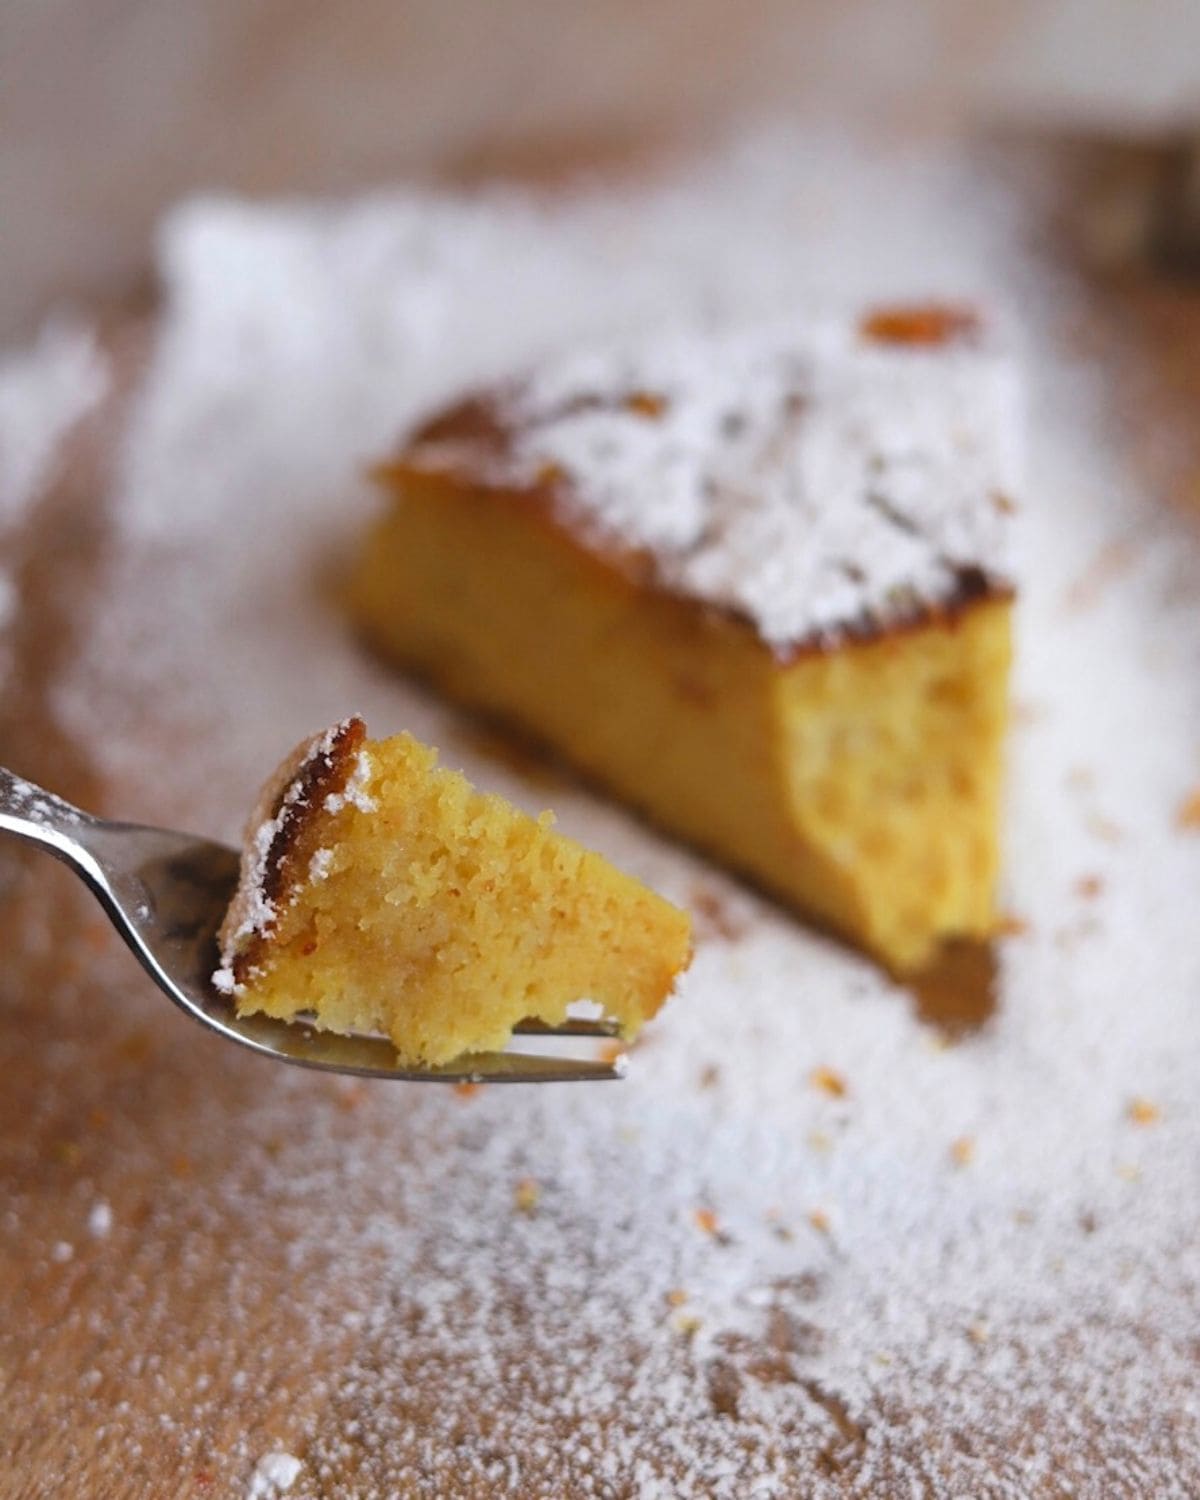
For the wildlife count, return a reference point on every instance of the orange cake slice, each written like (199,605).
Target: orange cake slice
(758,583)
(380,892)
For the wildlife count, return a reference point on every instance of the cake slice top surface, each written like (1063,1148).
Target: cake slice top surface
(829,479)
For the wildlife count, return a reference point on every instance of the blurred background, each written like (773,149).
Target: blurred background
(111,109)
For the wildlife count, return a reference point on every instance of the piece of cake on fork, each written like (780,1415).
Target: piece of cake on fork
(380,892)
(758,583)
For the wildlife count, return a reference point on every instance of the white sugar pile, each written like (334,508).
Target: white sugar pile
(43,393)
(934,1270)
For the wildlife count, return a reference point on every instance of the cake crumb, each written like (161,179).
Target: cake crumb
(1188,816)
(1089,886)
(962,1151)
(707,1221)
(676,1297)
(1143,1111)
(927,324)
(527,1195)
(828,1081)
(820,1220)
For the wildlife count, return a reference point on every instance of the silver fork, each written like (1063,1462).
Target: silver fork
(166,893)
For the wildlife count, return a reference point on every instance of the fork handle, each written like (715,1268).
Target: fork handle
(39,817)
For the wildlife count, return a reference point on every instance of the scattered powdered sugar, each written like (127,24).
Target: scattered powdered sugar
(807,476)
(274,1474)
(355,793)
(100,1219)
(43,392)
(807,1247)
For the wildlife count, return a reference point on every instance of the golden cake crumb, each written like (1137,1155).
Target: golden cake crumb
(1188,816)
(828,1081)
(527,1195)
(962,1151)
(1144,1112)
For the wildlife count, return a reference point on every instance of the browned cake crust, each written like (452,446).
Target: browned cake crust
(463,441)
(280,838)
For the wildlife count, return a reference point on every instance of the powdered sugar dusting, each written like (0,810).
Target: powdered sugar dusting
(274,1474)
(355,793)
(975,1270)
(806,476)
(44,392)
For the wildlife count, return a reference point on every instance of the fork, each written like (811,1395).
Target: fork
(166,894)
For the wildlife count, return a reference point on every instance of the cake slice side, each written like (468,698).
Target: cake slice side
(394,897)
(790,645)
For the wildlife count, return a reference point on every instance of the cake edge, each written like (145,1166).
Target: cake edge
(318,777)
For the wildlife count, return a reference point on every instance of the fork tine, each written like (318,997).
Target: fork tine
(572,1026)
(525,1067)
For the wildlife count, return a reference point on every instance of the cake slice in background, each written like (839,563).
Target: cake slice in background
(382,893)
(758,583)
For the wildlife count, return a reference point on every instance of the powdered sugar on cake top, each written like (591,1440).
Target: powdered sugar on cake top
(807,476)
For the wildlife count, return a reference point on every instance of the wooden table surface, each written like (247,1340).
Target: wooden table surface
(163,1354)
